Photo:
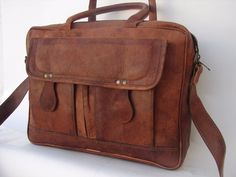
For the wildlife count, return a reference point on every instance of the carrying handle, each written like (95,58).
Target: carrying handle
(152,12)
(131,22)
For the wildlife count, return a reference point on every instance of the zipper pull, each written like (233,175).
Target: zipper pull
(197,58)
(201,63)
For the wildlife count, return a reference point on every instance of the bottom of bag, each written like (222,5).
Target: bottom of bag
(163,157)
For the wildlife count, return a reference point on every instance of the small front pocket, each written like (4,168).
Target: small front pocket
(124,116)
(59,120)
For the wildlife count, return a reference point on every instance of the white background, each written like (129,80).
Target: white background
(212,21)
(1,61)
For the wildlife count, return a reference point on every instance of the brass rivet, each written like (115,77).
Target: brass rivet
(45,76)
(124,82)
(118,82)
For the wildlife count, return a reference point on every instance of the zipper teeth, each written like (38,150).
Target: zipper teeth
(197,54)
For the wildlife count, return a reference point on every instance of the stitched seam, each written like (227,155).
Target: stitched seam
(159,148)
(84,98)
(181,103)
(153,117)
(73,110)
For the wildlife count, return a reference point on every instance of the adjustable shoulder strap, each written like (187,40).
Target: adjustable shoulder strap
(13,101)
(208,130)
(205,125)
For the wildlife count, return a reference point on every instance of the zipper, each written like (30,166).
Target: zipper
(197,57)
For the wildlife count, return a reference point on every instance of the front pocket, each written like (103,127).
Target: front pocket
(120,116)
(124,116)
(62,118)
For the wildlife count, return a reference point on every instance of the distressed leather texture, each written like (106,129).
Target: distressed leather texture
(120,88)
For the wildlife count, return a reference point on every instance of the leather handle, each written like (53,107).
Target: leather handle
(152,12)
(131,22)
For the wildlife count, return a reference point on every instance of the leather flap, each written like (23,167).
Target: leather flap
(133,64)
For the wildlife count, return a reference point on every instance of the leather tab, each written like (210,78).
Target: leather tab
(129,104)
(48,98)
(197,73)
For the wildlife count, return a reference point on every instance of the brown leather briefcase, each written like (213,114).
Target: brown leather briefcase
(124,89)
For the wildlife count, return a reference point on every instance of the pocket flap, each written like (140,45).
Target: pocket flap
(132,64)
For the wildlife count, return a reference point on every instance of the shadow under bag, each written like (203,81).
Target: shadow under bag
(125,89)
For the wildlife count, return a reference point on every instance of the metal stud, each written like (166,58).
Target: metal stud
(45,76)
(124,82)
(118,82)
(50,75)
